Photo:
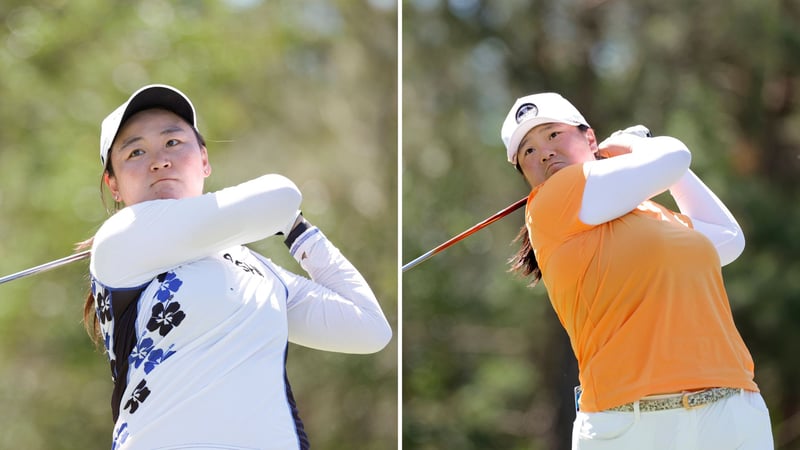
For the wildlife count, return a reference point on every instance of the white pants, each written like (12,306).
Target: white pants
(740,422)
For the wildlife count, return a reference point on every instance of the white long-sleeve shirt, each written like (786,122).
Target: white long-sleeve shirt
(617,185)
(207,363)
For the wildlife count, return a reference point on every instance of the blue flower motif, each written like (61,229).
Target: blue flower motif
(107,340)
(156,357)
(120,436)
(169,284)
(140,352)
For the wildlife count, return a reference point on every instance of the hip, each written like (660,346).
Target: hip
(737,419)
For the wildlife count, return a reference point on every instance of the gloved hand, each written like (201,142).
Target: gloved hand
(297,217)
(637,130)
(621,141)
(295,229)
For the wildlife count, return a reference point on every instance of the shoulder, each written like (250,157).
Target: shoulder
(560,190)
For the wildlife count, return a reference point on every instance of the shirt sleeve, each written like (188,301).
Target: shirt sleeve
(617,185)
(709,216)
(335,310)
(143,240)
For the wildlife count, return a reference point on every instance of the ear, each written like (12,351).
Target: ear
(111,182)
(206,163)
(591,138)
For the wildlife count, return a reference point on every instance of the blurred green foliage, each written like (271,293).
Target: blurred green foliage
(305,89)
(485,362)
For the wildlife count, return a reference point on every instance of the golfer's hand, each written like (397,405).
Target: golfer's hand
(621,141)
(296,218)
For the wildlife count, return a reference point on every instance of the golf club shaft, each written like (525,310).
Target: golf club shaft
(494,218)
(46,266)
(490,220)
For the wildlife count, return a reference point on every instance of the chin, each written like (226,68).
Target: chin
(166,195)
(171,197)
(553,172)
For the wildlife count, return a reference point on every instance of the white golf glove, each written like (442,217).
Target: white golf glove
(296,218)
(637,130)
(622,141)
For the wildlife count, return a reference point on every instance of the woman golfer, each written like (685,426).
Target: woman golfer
(195,324)
(637,287)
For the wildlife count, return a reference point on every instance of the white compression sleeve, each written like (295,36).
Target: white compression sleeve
(617,185)
(336,310)
(148,238)
(709,216)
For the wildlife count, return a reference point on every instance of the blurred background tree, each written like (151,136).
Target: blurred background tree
(305,89)
(485,362)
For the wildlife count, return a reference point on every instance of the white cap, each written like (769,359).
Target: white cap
(534,110)
(148,97)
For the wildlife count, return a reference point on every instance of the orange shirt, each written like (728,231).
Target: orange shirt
(641,297)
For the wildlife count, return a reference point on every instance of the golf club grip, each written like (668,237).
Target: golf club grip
(490,220)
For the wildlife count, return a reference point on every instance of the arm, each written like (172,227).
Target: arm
(709,216)
(336,310)
(617,185)
(148,238)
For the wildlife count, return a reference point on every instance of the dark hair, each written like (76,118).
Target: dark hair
(90,322)
(524,261)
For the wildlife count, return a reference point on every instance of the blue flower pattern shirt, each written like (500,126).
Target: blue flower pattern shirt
(206,367)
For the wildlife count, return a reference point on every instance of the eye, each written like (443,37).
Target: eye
(554,134)
(525,152)
(135,152)
(173,142)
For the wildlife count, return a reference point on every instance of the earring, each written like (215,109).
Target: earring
(116,197)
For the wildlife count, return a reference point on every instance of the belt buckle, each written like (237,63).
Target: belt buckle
(685,400)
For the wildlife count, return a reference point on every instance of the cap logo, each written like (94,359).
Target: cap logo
(526,109)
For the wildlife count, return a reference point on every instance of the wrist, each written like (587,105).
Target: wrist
(300,226)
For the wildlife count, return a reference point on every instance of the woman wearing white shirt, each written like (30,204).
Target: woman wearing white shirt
(195,324)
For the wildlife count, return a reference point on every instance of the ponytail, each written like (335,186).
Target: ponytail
(524,261)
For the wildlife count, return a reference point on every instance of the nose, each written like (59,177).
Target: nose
(546,155)
(160,163)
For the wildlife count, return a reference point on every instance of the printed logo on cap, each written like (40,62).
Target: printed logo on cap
(526,109)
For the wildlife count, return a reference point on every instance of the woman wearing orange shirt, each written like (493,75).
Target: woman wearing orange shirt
(637,287)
